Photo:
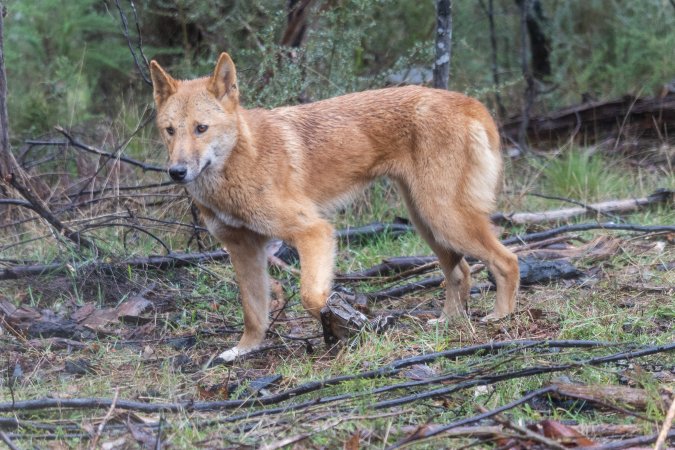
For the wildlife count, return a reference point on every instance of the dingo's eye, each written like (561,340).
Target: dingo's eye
(201,128)
(170,131)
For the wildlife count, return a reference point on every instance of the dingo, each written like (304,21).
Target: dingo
(257,174)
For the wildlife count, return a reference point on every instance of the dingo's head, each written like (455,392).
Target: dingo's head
(197,119)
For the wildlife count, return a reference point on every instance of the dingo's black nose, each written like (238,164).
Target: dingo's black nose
(177,172)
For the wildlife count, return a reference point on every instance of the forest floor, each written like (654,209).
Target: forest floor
(149,337)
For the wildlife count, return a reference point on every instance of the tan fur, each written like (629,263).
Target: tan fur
(257,174)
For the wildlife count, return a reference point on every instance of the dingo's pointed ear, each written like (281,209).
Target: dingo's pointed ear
(162,84)
(224,79)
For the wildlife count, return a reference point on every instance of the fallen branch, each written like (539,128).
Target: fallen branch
(400,291)
(628,443)
(478,381)
(389,266)
(8,441)
(150,262)
(613,206)
(540,235)
(609,395)
(357,235)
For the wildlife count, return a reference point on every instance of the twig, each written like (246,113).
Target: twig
(416,397)
(667,424)
(88,148)
(123,188)
(125,31)
(101,426)
(17,202)
(132,226)
(521,374)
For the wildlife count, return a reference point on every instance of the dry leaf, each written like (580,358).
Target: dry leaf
(564,434)
(354,441)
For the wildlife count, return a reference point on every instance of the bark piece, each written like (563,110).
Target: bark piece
(340,320)
(537,271)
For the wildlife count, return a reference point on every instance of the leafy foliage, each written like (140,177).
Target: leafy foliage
(61,59)
(68,61)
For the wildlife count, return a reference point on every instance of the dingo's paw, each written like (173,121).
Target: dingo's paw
(493,317)
(232,354)
(440,321)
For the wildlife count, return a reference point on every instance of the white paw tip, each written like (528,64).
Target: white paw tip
(230,355)
(492,317)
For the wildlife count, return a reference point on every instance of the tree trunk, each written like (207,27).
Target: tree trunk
(530,88)
(296,23)
(4,125)
(443,43)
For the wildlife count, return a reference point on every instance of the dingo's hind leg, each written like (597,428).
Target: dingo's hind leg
(454,267)
(466,230)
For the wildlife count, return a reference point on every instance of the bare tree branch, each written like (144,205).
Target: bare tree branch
(88,148)
(143,70)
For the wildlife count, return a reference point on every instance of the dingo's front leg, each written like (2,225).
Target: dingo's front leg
(316,247)
(247,252)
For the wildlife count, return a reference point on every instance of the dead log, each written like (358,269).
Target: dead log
(594,121)
(613,206)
